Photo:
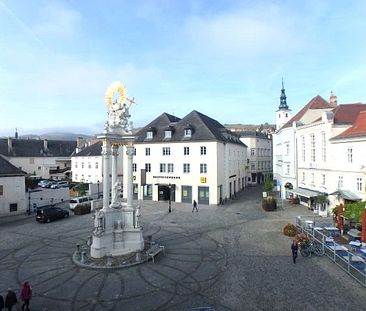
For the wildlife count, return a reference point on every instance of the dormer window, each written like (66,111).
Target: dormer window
(149,134)
(168,133)
(187,132)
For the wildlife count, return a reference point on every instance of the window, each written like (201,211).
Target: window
(359,184)
(340,182)
(186,168)
(31,160)
(134,151)
(76,177)
(166,150)
(288,169)
(303,176)
(168,134)
(162,167)
(39,168)
(252,166)
(303,148)
(170,168)
(89,165)
(76,164)
(312,178)
(203,150)
(149,134)
(82,164)
(134,167)
(287,149)
(187,133)
(312,147)
(350,155)
(96,165)
(203,168)
(324,148)
(13,207)
(147,167)
(323,179)
(252,151)
(186,150)
(147,151)
(1,190)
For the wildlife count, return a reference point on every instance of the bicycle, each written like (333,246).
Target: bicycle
(309,248)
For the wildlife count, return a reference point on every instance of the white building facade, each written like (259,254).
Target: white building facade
(43,158)
(194,158)
(321,160)
(12,189)
(259,155)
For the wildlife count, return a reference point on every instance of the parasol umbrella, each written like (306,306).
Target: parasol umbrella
(363,223)
(340,217)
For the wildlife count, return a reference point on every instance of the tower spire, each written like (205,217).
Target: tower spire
(283,102)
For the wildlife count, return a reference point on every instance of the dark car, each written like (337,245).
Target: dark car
(49,214)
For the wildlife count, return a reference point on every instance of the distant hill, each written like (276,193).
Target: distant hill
(56,136)
(249,127)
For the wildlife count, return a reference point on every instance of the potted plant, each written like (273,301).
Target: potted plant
(290,230)
(269,203)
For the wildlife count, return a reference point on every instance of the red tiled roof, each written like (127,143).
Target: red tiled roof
(317,102)
(358,128)
(347,114)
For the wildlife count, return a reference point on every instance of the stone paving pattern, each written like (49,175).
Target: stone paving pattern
(231,257)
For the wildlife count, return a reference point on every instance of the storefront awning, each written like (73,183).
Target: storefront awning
(346,194)
(305,192)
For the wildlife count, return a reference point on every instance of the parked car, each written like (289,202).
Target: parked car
(43,182)
(60,184)
(48,214)
(80,200)
(82,208)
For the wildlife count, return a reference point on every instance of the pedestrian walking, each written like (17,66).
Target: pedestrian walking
(26,295)
(194,206)
(1,303)
(294,249)
(10,299)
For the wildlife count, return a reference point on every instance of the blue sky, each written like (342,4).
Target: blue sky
(222,58)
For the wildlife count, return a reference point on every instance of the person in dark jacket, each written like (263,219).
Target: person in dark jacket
(294,249)
(1,303)
(194,206)
(10,299)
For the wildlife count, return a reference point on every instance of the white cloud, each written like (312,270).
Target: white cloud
(57,20)
(251,32)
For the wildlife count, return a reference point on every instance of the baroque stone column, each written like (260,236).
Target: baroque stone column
(129,152)
(106,153)
(115,185)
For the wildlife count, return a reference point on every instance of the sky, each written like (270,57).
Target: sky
(225,59)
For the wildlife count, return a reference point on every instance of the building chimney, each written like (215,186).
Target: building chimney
(45,145)
(333,100)
(80,144)
(10,145)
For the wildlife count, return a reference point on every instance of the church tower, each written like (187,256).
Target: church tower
(283,113)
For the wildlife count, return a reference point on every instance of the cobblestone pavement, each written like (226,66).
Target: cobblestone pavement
(231,257)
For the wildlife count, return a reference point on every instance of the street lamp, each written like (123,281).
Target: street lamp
(170,198)
(29,203)
(98,188)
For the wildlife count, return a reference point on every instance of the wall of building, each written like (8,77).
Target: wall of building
(39,166)
(13,192)
(219,167)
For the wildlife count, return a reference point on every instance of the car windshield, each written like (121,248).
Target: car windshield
(73,201)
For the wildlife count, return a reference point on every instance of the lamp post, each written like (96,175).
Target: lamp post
(29,203)
(170,198)
(98,188)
